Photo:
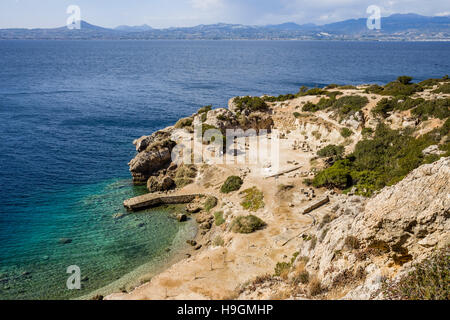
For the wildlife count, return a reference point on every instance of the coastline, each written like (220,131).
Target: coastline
(232,264)
(135,278)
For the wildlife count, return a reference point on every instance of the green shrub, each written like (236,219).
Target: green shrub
(366,132)
(429,280)
(185,122)
(346,132)
(218,218)
(444,88)
(384,106)
(204,109)
(310,107)
(350,104)
(438,108)
(247,224)
(233,183)
(282,268)
(211,202)
(404,79)
(331,150)
(337,176)
(281,97)
(253,199)
(250,104)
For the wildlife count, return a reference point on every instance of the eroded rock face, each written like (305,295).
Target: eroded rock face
(154,154)
(221,118)
(401,225)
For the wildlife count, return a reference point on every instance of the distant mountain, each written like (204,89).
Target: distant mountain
(141,28)
(395,27)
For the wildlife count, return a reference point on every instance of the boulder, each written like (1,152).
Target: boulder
(162,183)
(181,217)
(154,154)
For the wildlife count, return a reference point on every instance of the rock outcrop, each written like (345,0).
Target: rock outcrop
(374,238)
(154,154)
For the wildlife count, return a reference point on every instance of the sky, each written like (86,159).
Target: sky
(182,13)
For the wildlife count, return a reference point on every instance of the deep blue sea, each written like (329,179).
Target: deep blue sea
(69,111)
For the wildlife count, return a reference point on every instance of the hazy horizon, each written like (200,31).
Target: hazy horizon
(188,13)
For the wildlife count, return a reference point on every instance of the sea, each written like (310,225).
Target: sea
(69,111)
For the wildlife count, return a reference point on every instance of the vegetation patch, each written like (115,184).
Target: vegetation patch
(401,87)
(211,202)
(253,199)
(183,123)
(331,150)
(247,224)
(218,242)
(346,132)
(344,106)
(233,183)
(444,88)
(421,108)
(429,280)
(204,109)
(185,175)
(381,160)
(250,104)
(218,218)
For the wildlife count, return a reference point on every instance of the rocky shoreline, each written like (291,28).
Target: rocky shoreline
(269,229)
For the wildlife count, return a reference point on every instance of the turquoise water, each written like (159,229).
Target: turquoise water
(103,246)
(69,111)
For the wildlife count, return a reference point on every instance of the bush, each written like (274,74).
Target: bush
(182,123)
(382,160)
(282,269)
(204,109)
(331,150)
(301,278)
(218,241)
(350,104)
(315,287)
(404,79)
(185,175)
(337,176)
(250,104)
(281,97)
(438,108)
(444,88)
(428,281)
(210,203)
(247,224)
(233,183)
(384,106)
(253,199)
(218,218)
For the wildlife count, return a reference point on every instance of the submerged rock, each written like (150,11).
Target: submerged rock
(65,240)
